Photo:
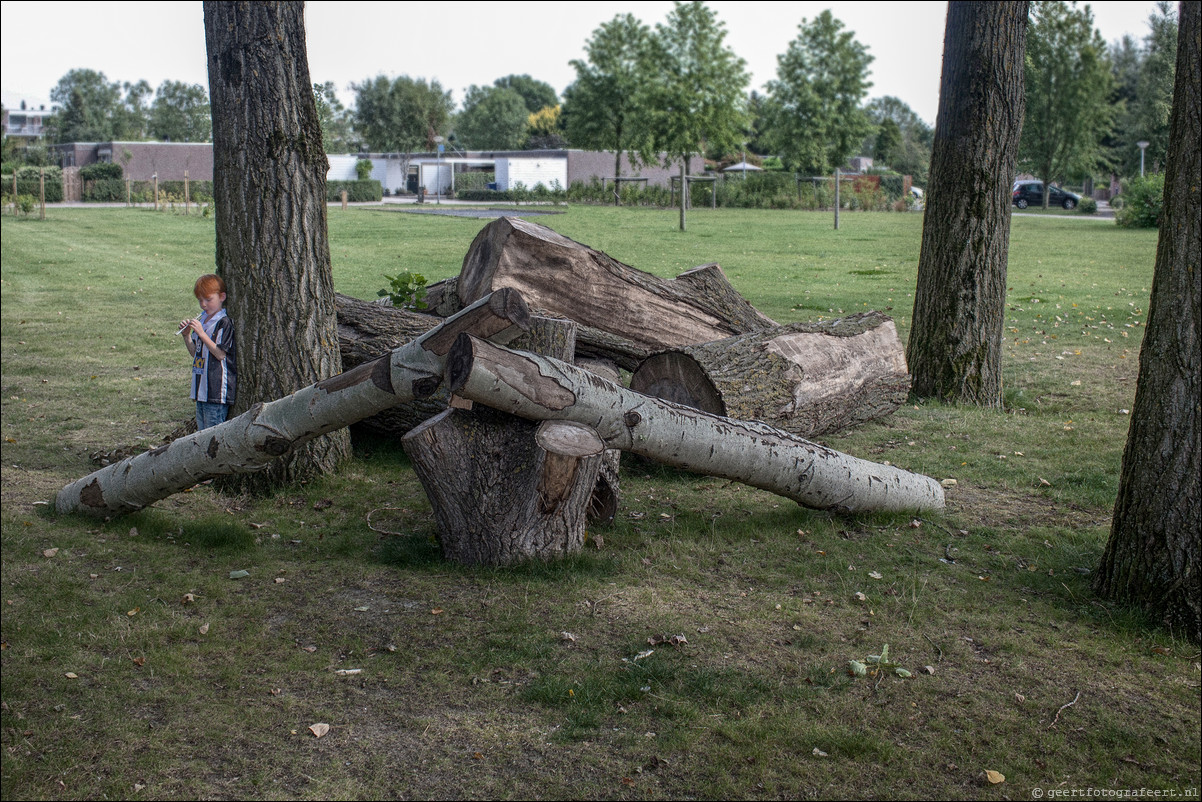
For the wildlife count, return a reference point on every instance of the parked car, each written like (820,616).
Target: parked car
(1030,193)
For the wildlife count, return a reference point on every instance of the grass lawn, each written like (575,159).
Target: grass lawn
(133,665)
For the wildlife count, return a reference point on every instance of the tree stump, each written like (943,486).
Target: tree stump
(804,378)
(506,490)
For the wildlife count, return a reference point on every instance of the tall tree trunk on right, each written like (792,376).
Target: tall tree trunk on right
(955,347)
(1153,558)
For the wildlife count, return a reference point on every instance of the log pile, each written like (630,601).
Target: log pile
(516,445)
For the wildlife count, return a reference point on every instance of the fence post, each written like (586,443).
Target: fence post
(42,189)
(344,200)
(186,199)
(836,198)
(14,192)
(128,191)
(156,192)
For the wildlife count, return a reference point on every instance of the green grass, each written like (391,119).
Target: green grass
(469,686)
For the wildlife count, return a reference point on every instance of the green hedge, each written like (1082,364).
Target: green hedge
(356,191)
(104,190)
(101,171)
(29,186)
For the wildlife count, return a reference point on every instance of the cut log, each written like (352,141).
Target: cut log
(503,489)
(539,388)
(634,313)
(805,378)
(268,431)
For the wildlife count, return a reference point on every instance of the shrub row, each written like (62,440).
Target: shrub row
(29,186)
(356,191)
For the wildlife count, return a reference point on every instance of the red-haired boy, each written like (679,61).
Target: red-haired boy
(210,340)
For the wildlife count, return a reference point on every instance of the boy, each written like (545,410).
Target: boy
(210,341)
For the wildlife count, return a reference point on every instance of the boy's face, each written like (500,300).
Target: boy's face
(211,304)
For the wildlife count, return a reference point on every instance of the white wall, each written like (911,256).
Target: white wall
(531,172)
(342,167)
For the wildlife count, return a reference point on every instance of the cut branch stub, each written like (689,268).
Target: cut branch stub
(804,378)
(267,431)
(539,388)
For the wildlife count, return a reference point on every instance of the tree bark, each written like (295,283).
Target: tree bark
(267,432)
(499,494)
(955,347)
(269,186)
(1152,558)
(539,388)
(805,378)
(635,313)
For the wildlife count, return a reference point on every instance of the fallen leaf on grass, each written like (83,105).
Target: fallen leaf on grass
(875,575)
(239,574)
(319,730)
(861,596)
(819,753)
(139,661)
(436,611)
(133,612)
(279,580)
(346,672)
(995,777)
(188,598)
(204,629)
(50,552)
(71,675)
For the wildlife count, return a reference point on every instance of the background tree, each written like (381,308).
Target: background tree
(605,108)
(537,95)
(888,141)
(912,156)
(1148,110)
(401,115)
(545,128)
(181,113)
(269,183)
(698,96)
(1152,558)
(821,80)
(955,346)
(1068,84)
(337,124)
(132,118)
(492,118)
(88,104)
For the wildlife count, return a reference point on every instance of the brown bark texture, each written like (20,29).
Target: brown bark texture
(500,496)
(269,186)
(539,388)
(955,346)
(267,432)
(1152,559)
(625,314)
(804,378)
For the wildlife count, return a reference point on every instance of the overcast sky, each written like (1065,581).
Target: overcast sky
(465,43)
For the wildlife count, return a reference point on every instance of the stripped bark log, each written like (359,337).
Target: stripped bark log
(268,431)
(501,495)
(805,378)
(625,314)
(539,388)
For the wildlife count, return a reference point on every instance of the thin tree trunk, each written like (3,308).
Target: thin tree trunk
(1152,559)
(267,432)
(539,388)
(955,347)
(269,186)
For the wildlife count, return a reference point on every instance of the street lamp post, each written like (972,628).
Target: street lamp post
(1142,145)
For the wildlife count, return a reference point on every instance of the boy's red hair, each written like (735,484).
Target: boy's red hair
(208,284)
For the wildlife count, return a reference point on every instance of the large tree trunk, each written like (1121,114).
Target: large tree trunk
(269,185)
(1152,559)
(632,313)
(955,348)
(267,432)
(539,388)
(499,494)
(805,378)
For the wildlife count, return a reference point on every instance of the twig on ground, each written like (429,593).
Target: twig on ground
(383,531)
(936,645)
(1061,710)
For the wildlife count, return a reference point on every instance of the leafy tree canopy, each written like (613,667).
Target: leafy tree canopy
(537,95)
(821,80)
(94,109)
(492,119)
(337,132)
(401,115)
(180,113)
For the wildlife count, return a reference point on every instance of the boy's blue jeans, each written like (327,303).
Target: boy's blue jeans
(209,414)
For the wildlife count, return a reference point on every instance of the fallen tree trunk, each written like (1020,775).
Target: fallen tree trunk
(805,378)
(268,431)
(501,495)
(564,278)
(539,388)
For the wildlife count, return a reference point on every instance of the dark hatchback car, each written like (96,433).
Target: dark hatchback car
(1030,193)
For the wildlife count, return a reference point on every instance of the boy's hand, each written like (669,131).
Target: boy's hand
(186,326)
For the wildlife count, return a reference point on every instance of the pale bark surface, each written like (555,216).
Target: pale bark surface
(1152,559)
(269,186)
(539,388)
(955,347)
(267,432)
(564,278)
(805,378)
